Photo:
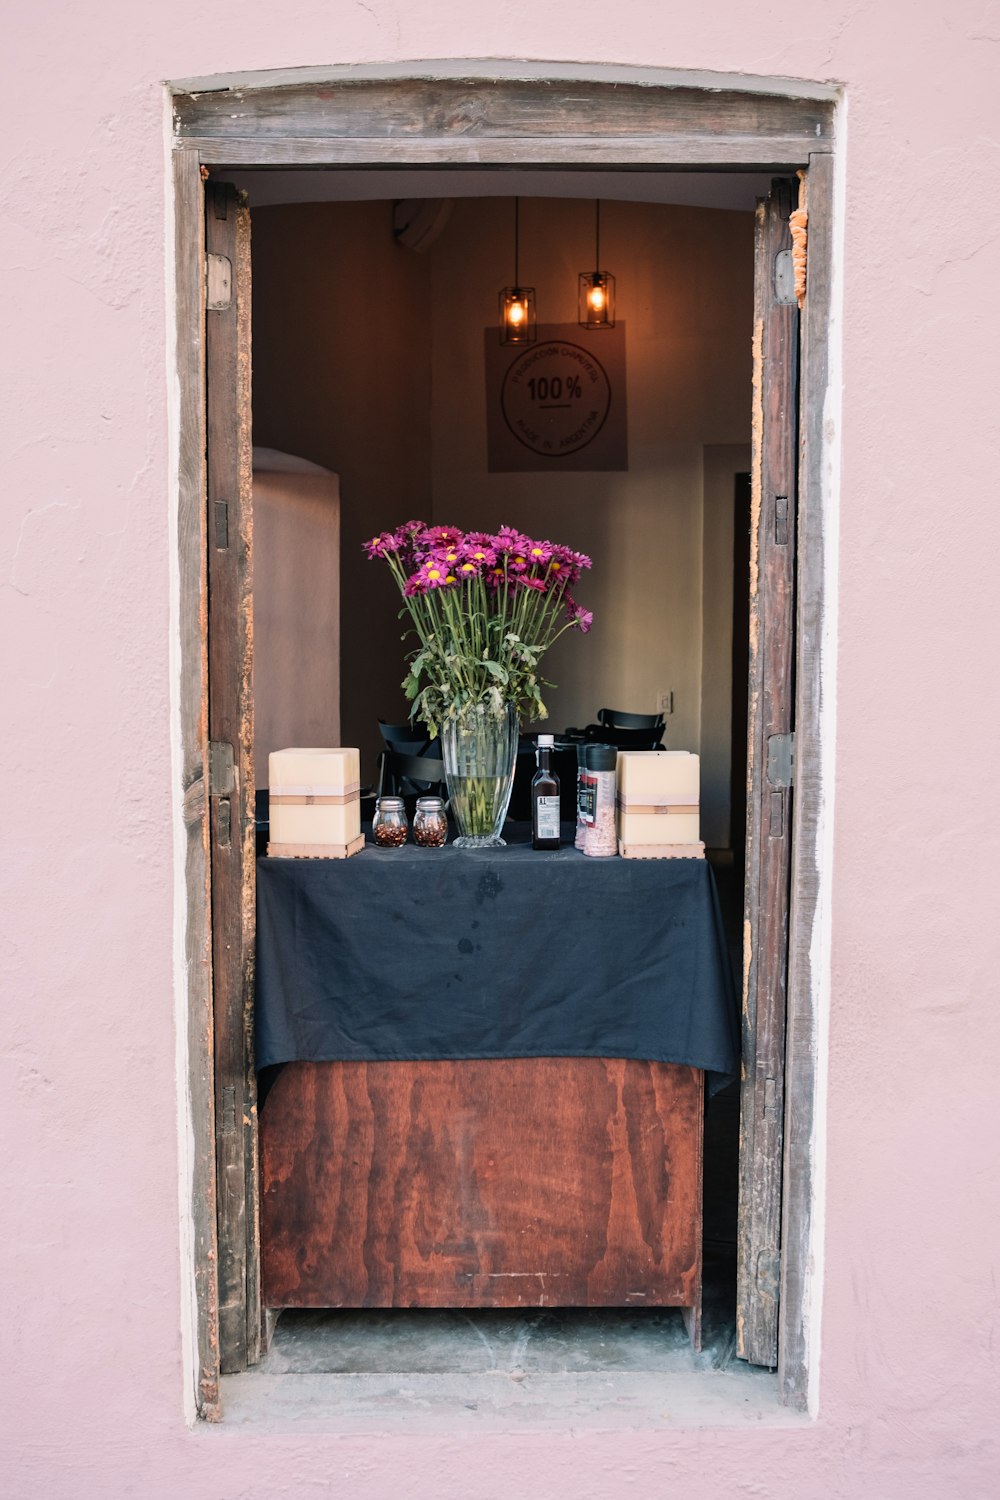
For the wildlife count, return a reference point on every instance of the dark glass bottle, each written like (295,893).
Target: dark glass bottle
(545,800)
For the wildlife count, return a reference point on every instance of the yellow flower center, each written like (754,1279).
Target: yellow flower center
(519,559)
(536,552)
(450,578)
(479,555)
(451,557)
(556,566)
(433,572)
(468,568)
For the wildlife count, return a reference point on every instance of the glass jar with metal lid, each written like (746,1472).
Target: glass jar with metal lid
(390,826)
(430,825)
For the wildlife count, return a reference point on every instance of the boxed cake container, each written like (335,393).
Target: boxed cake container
(315,803)
(658,805)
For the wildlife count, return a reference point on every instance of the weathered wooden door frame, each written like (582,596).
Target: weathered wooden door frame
(474,116)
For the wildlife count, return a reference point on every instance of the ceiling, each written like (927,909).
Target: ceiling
(726,190)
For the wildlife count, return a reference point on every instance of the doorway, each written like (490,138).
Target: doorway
(375,372)
(205,131)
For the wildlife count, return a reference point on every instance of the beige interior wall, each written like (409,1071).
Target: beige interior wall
(341,353)
(368,359)
(296,538)
(684,285)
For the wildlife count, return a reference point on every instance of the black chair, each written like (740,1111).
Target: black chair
(410,776)
(409,739)
(617,718)
(624,730)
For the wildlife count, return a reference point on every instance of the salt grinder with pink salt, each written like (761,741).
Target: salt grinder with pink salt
(600,836)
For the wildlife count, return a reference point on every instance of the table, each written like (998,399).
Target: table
(494,1087)
(453,953)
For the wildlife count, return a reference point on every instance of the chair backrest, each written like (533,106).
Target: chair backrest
(627,731)
(410,775)
(625,739)
(617,718)
(409,739)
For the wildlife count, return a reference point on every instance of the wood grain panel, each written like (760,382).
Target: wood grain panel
(232,826)
(759,153)
(768,853)
(512,1183)
(481,110)
(805,962)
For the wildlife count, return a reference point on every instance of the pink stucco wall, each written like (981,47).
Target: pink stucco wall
(92,1290)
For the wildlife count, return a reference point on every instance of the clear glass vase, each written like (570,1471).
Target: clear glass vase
(479,749)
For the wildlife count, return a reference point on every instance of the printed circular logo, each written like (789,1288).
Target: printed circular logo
(555,398)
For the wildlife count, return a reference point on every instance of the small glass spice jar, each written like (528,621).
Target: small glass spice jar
(390,826)
(430,825)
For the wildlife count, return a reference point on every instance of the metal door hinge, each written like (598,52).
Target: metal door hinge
(221,769)
(218,282)
(784,277)
(221,524)
(781,520)
(781,759)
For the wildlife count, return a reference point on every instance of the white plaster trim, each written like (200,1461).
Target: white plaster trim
(188,1309)
(510,69)
(822,935)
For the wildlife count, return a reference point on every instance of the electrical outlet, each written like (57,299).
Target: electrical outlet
(665,702)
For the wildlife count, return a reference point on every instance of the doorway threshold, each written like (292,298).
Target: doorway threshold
(501,1400)
(527,1369)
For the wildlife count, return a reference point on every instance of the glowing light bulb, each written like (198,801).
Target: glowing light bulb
(597,299)
(517,315)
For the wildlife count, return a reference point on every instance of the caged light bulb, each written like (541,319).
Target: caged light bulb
(597,299)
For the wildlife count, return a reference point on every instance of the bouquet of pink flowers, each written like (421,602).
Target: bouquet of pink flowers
(485,608)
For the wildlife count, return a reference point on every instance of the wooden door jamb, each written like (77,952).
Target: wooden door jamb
(679,131)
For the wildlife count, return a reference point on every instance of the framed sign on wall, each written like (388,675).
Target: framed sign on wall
(559,403)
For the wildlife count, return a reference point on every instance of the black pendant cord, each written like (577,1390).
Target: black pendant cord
(597,233)
(517,242)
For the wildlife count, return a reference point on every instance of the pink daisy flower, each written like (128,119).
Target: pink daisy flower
(582,618)
(440,536)
(386,541)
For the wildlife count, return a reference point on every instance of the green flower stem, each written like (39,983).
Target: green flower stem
(475,649)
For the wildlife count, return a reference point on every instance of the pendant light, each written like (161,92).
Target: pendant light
(597,288)
(517,302)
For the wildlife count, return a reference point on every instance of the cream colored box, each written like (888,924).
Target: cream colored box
(658,796)
(314,800)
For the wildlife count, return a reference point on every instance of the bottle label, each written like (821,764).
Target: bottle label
(587,800)
(547,817)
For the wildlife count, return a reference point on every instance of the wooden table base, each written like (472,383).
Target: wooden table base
(522,1182)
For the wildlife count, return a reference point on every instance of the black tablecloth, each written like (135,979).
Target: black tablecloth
(449,953)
